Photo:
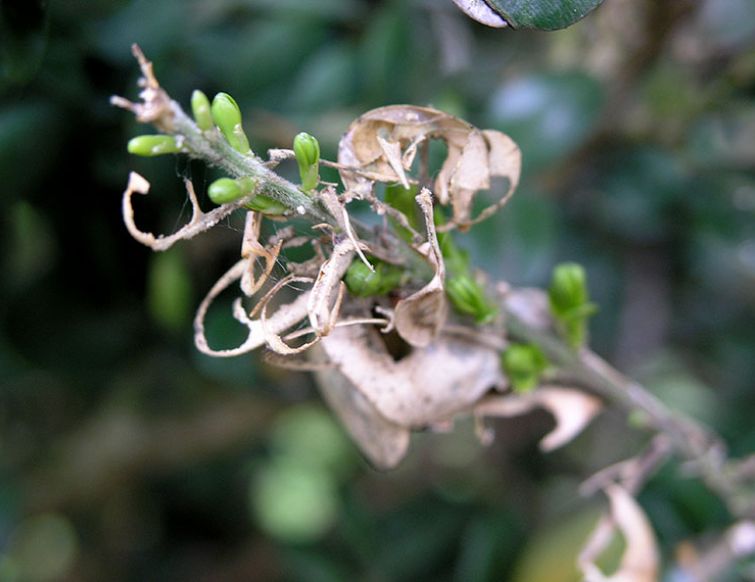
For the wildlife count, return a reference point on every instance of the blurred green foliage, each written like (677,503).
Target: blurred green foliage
(128,456)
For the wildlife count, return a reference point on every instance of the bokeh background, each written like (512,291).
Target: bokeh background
(125,455)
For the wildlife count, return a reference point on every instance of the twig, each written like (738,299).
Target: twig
(713,561)
(694,443)
(167,115)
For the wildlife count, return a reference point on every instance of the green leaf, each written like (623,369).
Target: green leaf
(543,14)
(200,107)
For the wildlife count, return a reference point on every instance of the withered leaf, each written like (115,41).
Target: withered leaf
(251,249)
(198,223)
(419,317)
(383,442)
(572,410)
(428,386)
(327,291)
(381,144)
(284,317)
(639,562)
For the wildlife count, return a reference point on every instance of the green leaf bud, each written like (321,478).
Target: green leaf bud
(568,287)
(266,205)
(227,116)
(362,282)
(524,365)
(225,190)
(200,107)
(307,151)
(569,302)
(468,297)
(153,145)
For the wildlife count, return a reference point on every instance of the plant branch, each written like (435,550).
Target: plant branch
(703,449)
(210,146)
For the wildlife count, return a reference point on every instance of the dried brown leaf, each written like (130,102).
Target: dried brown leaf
(572,410)
(639,562)
(420,317)
(383,442)
(381,144)
(428,386)
(251,249)
(198,223)
(327,291)
(284,317)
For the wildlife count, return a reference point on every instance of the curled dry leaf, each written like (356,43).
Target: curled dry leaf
(419,317)
(198,223)
(328,290)
(383,442)
(284,317)
(381,146)
(428,386)
(639,562)
(572,410)
(251,249)
(270,327)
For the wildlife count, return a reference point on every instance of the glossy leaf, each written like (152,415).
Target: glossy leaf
(542,14)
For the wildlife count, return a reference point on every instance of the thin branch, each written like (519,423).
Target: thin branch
(210,146)
(704,450)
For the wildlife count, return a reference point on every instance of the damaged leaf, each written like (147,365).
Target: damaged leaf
(640,561)
(572,410)
(419,317)
(327,293)
(381,146)
(199,222)
(285,317)
(427,387)
(383,442)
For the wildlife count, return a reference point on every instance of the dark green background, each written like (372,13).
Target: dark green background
(125,455)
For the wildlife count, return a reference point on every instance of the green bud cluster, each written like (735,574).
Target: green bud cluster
(362,282)
(524,365)
(570,303)
(153,145)
(227,116)
(307,152)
